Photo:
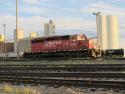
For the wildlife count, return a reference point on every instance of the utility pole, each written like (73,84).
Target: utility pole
(98,44)
(17,45)
(4,25)
(97,14)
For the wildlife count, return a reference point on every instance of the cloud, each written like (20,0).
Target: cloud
(90,1)
(105,8)
(33,1)
(10,25)
(96,1)
(119,1)
(74,23)
(36,23)
(34,10)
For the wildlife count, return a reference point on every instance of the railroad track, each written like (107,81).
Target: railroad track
(66,82)
(65,67)
(55,59)
(112,75)
(87,75)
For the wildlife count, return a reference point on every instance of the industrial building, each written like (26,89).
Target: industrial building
(2,38)
(18,35)
(108,33)
(33,35)
(24,45)
(49,29)
(6,47)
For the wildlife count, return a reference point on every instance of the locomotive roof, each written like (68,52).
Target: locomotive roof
(55,37)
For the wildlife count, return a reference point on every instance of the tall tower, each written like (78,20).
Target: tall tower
(102,31)
(46,29)
(124,52)
(112,32)
(49,29)
(16,47)
(108,32)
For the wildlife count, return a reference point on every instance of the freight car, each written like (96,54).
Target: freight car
(114,53)
(68,46)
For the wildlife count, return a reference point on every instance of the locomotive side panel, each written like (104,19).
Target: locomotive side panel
(37,47)
(61,47)
(59,44)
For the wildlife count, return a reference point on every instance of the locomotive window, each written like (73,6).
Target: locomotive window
(73,39)
(37,41)
(80,38)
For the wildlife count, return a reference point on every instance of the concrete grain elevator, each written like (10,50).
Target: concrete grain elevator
(102,31)
(112,32)
(49,29)
(108,32)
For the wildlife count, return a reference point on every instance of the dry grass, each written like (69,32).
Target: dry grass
(10,89)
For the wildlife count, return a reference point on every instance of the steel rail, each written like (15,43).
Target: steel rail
(62,81)
(66,74)
(66,66)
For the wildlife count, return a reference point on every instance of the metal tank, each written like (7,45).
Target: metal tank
(124,52)
(112,32)
(102,32)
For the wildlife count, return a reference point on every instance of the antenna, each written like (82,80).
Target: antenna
(17,48)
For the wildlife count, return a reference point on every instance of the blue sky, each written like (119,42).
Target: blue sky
(70,16)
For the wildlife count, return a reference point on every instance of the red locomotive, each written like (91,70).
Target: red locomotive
(60,43)
(67,46)
(61,46)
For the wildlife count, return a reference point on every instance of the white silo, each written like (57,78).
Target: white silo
(112,32)
(124,52)
(46,29)
(49,29)
(102,31)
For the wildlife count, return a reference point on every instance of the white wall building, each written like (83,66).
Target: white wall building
(18,35)
(49,29)
(24,45)
(2,38)
(108,34)
(33,35)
